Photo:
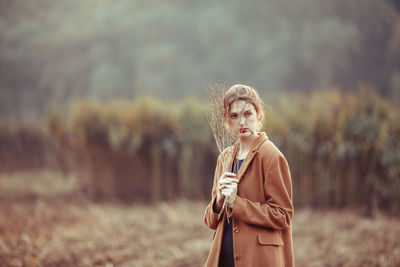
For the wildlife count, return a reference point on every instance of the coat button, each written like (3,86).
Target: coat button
(236,230)
(237,257)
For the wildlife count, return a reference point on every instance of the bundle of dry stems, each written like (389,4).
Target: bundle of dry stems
(216,119)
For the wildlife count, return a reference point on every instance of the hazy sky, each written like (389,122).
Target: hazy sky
(58,51)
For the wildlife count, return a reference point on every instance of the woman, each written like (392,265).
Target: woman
(257,190)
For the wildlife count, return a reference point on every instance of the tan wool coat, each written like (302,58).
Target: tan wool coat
(262,211)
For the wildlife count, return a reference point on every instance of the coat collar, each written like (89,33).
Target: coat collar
(262,137)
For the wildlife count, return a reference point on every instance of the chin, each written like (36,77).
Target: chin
(247,133)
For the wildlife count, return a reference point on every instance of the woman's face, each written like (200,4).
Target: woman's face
(243,119)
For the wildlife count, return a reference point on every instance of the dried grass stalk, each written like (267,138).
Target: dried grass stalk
(216,119)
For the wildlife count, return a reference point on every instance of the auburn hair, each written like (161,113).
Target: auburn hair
(246,93)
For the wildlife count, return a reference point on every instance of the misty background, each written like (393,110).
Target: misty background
(106,154)
(58,51)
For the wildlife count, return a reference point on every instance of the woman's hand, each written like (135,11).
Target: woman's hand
(227,189)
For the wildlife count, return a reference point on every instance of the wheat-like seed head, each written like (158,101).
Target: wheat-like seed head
(216,117)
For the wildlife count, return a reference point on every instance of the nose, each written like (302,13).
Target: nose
(241,120)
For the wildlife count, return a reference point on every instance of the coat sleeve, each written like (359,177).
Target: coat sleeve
(212,218)
(277,212)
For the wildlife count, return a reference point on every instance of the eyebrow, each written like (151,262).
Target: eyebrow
(244,110)
(246,107)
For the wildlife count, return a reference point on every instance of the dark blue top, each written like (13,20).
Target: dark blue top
(226,257)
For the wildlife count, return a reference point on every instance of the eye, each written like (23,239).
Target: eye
(247,113)
(233,116)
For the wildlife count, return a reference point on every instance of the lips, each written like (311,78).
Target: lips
(243,130)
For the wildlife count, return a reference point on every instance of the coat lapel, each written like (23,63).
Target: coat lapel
(262,137)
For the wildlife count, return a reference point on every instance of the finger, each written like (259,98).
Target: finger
(223,183)
(222,186)
(227,195)
(231,186)
(226,181)
(229,174)
(227,192)
(225,175)
(233,180)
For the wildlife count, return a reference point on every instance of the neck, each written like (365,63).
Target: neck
(245,145)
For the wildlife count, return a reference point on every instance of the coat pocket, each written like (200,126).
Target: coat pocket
(270,238)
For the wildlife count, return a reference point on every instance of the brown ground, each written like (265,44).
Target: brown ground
(67,231)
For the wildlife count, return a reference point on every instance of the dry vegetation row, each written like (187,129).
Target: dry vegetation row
(82,233)
(343,148)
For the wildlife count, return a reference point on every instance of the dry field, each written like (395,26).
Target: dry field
(63,229)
